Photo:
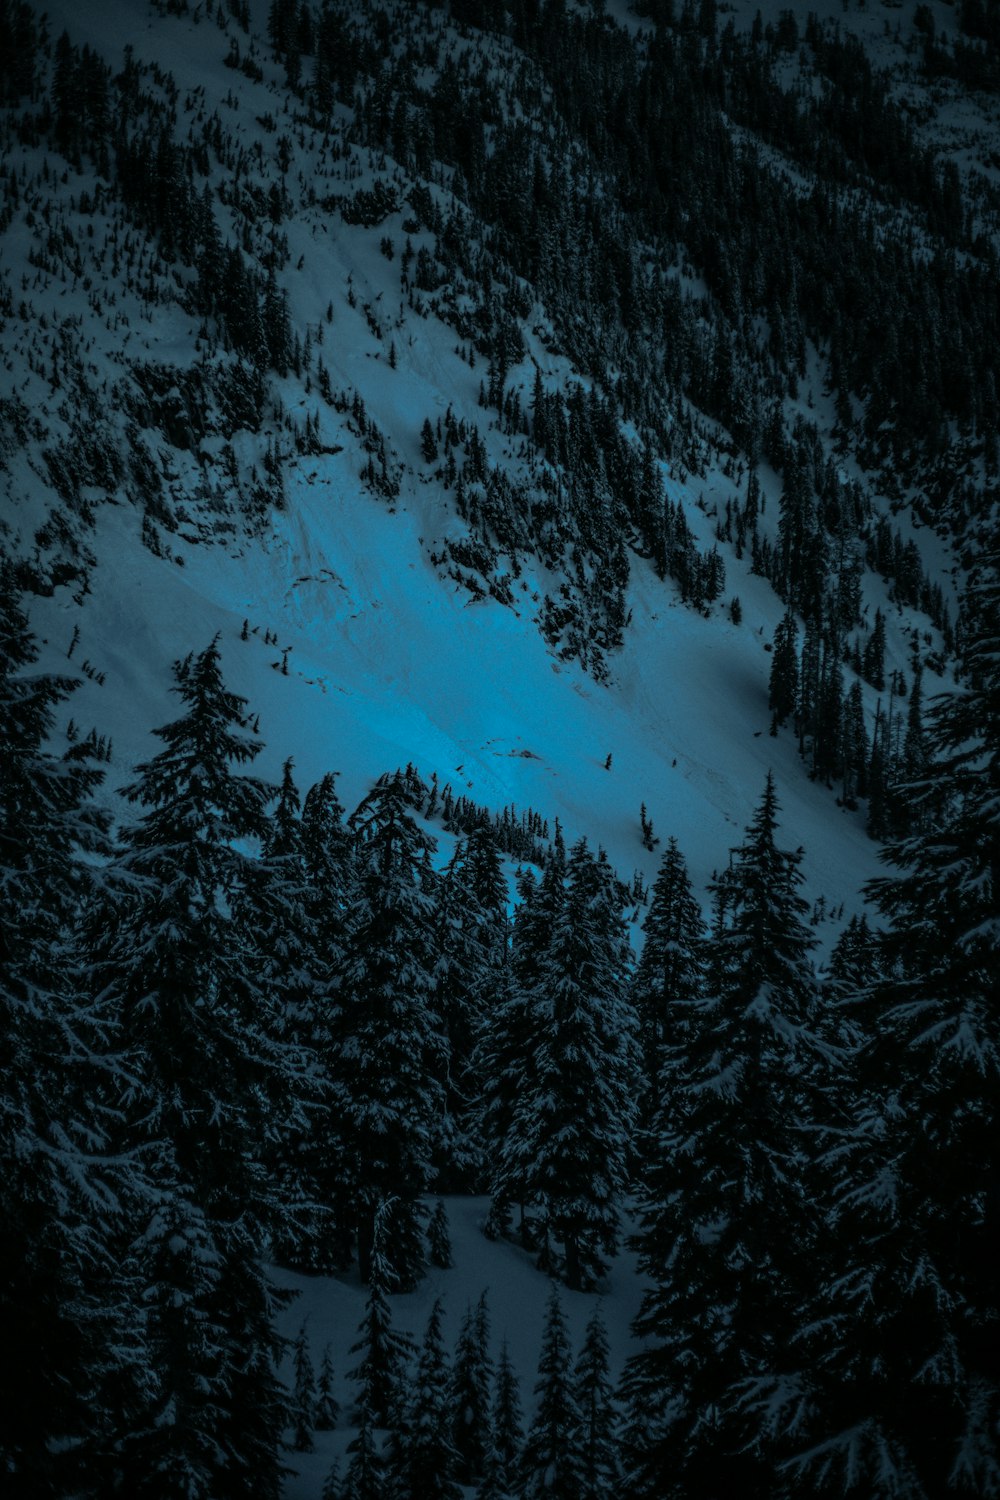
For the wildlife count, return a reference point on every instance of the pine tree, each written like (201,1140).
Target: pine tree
(725,1177)
(902,1338)
(438,1238)
(600,1469)
(470,1395)
(508,1426)
(327,1409)
(365,1476)
(276,908)
(332,1489)
(551,1467)
(213,1085)
(58,1201)
(670,973)
(506,1052)
(385,1353)
(387,1092)
(304,1395)
(874,654)
(570,1133)
(428,1458)
(328,859)
(471,922)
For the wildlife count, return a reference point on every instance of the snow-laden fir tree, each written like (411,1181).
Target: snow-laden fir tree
(903,1337)
(599,1461)
(670,973)
(470,1394)
(304,1394)
(332,1488)
(724,1179)
(507,1423)
(507,1047)
(439,1238)
(425,1459)
(365,1477)
(551,1466)
(278,908)
(783,690)
(385,1353)
(213,1087)
(388,1065)
(327,1408)
(58,1201)
(328,856)
(471,944)
(569,1140)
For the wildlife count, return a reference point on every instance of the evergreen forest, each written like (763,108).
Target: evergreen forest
(369,372)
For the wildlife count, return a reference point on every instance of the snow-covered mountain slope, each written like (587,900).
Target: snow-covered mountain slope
(389,659)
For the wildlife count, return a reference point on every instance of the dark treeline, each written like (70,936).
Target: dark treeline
(241,1027)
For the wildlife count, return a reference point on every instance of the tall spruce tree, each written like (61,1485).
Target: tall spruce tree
(471,956)
(551,1467)
(389,1041)
(670,973)
(59,1205)
(470,1394)
(506,1054)
(508,1423)
(784,683)
(385,1352)
(426,1459)
(903,1337)
(213,1087)
(570,1135)
(600,1469)
(328,857)
(277,910)
(727,1174)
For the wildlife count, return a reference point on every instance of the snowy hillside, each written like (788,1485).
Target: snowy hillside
(390,659)
(591,410)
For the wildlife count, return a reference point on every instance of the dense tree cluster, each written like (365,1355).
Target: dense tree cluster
(240,1027)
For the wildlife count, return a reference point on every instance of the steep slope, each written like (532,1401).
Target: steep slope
(301,499)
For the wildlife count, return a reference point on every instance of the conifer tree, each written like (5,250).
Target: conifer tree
(276,909)
(388,1096)
(551,1467)
(570,1134)
(438,1238)
(303,1394)
(470,1394)
(506,1052)
(600,1471)
(327,1409)
(508,1424)
(365,1478)
(58,1202)
(471,923)
(385,1353)
(670,973)
(427,1460)
(725,1177)
(901,1340)
(327,854)
(214,1085)
(332,1489)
